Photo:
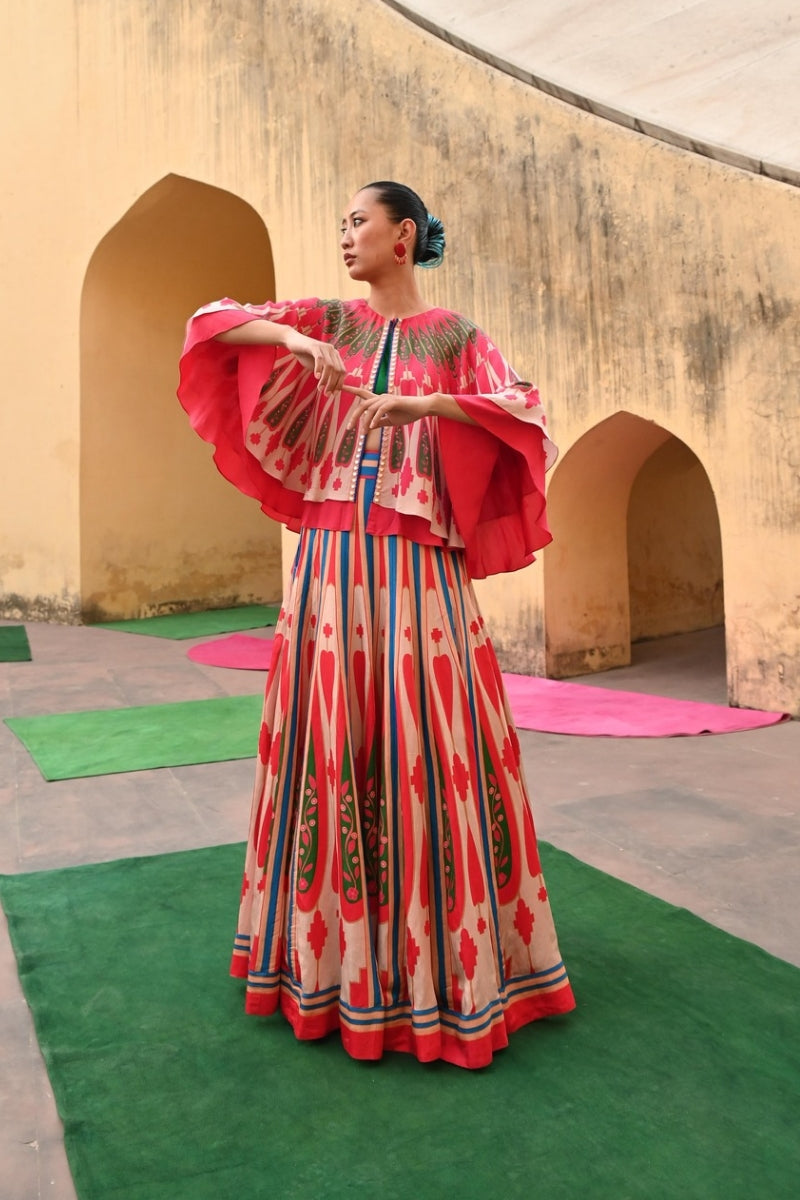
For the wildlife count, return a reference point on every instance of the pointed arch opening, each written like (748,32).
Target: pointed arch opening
(637,549)
(675,581)
(160,530)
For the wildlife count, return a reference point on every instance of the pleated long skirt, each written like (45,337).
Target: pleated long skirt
(392,886)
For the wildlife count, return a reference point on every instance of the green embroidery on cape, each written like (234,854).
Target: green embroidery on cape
(346,447)
(350,333)
(424,454)
(266,386)
(277,414)
(298,425)
(442,340)
(397,448)
(437,477)
(319,449)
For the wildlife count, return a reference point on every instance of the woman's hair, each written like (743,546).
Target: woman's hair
(401,202)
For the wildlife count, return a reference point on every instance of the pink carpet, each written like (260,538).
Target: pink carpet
(240,650)
(551,705)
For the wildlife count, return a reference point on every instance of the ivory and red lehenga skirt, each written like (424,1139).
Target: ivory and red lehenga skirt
(392,886)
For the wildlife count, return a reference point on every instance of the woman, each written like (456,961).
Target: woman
(392,886)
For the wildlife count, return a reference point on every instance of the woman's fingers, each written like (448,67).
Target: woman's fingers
(329,368)
(380,414)
(324,360)
(373,411)
(365,399)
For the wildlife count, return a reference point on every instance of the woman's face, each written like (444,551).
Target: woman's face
(368,237)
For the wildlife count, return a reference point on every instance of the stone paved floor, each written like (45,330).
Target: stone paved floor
(709,823)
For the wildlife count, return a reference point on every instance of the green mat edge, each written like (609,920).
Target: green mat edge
(19,644)
(249,701)
(217,620)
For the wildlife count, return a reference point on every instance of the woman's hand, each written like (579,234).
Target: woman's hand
(374,411)
(321,357)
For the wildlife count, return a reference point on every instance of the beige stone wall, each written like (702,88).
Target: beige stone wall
(630,279)
(675,573)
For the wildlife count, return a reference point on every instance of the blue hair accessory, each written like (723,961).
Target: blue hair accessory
(434,250)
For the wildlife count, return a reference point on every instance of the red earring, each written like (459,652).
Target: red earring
(400,253)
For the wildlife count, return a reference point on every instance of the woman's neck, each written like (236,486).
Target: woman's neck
(400,298)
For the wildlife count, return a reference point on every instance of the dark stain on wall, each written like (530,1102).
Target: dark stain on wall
(56,610)
(707,345)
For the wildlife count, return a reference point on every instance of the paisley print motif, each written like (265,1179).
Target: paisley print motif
(297,426)
(275,416)
(347,448)
(424,454)
(322,439)
(397,451)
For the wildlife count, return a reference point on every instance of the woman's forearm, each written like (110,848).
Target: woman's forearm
(259,332)
(447,406)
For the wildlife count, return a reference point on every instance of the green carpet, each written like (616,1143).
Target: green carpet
(14,645)
(107,741)
(199,624)
(677,1076)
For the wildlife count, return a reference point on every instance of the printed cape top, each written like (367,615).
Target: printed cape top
(442,482)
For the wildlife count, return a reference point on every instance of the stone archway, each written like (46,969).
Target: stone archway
(160,529)
(636,549)
(675,576)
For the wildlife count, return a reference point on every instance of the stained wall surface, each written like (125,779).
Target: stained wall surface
(652,294)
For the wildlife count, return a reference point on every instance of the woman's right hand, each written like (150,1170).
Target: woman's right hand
(323,358)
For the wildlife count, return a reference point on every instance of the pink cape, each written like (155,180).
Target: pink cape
(493,469)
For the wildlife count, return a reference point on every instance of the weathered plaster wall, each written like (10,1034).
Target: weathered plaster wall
(675,575)
(42,255)
(624,275)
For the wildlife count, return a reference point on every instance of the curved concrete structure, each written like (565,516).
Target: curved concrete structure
(718,77)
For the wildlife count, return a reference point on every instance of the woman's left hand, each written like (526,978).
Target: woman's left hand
(374,411)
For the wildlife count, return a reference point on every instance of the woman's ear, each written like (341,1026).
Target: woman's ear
(408,230)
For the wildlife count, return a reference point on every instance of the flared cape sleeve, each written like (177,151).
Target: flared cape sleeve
(495,468)
(221,388)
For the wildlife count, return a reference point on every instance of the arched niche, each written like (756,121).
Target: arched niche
(675,578)
(160,529)
(636,550)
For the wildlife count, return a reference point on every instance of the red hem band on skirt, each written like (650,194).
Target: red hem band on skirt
(398,1033)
